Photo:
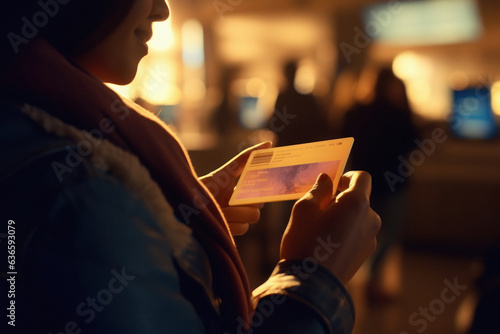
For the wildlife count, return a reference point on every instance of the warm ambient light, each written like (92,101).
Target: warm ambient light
(419,91)
(410,65)
(426,84)
(163,36)
(495,98)
(414,69)
(164,92)
(125,91)
(458,80)
(305,79)
(256,87)
(193,49)
(195,90)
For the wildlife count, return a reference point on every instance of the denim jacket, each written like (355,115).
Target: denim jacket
(90,256)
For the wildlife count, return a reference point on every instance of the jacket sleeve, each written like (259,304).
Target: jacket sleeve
(302,297)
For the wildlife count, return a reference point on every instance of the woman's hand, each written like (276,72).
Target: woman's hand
(337,232)
(221,183)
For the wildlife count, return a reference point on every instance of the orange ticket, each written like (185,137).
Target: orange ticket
(288,172)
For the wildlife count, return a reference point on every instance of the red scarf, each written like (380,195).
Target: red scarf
(43,77)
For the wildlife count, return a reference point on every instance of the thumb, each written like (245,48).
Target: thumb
(299,231)
(322,191)
(318,197)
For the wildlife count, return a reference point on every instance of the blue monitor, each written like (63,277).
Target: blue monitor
(250,114)
(472,115)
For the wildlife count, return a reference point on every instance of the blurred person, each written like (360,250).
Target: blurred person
(300,117)
(225,118)
(488,295)
(114,231)
(342,98)
(381,123)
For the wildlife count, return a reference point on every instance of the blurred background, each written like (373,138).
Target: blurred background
(227,74)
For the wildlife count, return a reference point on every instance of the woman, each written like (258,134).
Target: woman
(113,230)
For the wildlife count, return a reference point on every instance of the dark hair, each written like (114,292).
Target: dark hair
(71,26)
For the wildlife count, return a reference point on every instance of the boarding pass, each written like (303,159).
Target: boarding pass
(289,172)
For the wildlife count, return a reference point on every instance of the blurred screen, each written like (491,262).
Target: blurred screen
(250,114)
(472,114)
(423,22)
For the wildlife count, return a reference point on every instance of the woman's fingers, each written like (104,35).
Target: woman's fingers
(238,229)
(239,218)
(358,181)
(242,214)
